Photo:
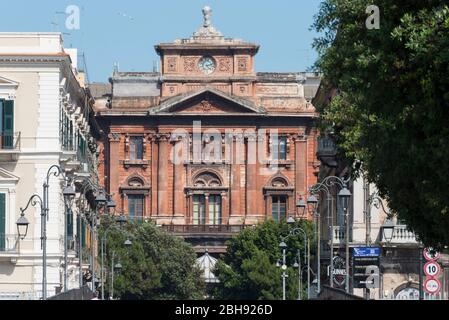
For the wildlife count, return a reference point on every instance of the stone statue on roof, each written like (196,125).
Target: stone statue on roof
(207,12)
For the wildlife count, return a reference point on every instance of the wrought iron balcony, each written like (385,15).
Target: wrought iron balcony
(10,141)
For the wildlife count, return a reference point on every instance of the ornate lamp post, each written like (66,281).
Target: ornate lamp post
(22,230)
(69,195)
(100,201)
(300,232)
(325,186)
(22,225)
(345,195)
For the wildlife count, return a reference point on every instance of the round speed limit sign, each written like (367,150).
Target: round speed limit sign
(432,269)
(432,286)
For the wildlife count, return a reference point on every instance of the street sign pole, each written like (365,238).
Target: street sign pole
(421,289)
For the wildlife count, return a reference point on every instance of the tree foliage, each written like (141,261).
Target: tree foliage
(157,266)
(248,270)
(392,111)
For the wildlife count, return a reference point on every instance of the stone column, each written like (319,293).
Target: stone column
(235,172)
(162,178)
(114,165)
(224,208)
(251,176)
(178,181)
(206,209)
(300,167)
(154,174)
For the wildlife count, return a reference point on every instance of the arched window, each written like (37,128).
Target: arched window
(207,179)
(136,182)
(207,206)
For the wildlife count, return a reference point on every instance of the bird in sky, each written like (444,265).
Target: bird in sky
(125,15)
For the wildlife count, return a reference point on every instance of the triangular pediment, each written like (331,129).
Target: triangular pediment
(207,101)
(7,82)
(6,176)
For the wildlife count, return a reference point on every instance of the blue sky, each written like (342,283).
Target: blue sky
(126,31)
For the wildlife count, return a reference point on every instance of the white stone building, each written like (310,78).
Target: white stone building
(44,121)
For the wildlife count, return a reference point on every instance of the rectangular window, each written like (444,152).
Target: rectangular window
(2,221)
(136,148)
(279,148)
(199,210)
(136,204)
(7,124)
(279,208)
(215,210)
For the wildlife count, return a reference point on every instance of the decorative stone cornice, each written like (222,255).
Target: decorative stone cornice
(114,137)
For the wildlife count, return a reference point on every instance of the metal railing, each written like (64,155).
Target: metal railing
(10,141)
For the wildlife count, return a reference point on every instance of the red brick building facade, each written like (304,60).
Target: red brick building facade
(208,141)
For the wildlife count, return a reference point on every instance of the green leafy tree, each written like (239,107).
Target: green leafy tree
(158,266)
(392,109)
(248,270)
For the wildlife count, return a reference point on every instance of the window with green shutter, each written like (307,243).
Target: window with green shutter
(7,123)
(2,221)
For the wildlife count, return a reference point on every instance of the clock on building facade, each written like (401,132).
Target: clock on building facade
(207,65)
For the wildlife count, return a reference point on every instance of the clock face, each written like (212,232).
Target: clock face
(207,65)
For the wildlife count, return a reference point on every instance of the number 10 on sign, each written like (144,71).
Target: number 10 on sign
(432,269)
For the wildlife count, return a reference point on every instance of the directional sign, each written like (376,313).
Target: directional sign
(431,255)
(366,252)
(366,272)
(432,286)
(432,269)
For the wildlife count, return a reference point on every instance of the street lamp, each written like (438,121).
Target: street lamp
(298,265)
(69,195)
(298,232)
(22,226)
(114,267)
(111,206)
(388,230)
(100,201)
(345,195)
(283,247)
(22,229)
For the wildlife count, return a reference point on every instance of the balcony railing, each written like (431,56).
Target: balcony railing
(401,236)
(338,235)
(10,141)
(326,147)
(204,229)
(9,243)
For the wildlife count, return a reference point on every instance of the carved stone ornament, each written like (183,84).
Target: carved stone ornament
(189,64)
(171,64)
(206,105)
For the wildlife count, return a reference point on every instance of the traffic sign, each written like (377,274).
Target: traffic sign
(432,269)
(432,286)
(366,252)
(431,255)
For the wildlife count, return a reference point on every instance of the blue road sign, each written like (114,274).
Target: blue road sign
(366,252)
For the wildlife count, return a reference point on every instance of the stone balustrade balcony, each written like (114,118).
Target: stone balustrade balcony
(401,235)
